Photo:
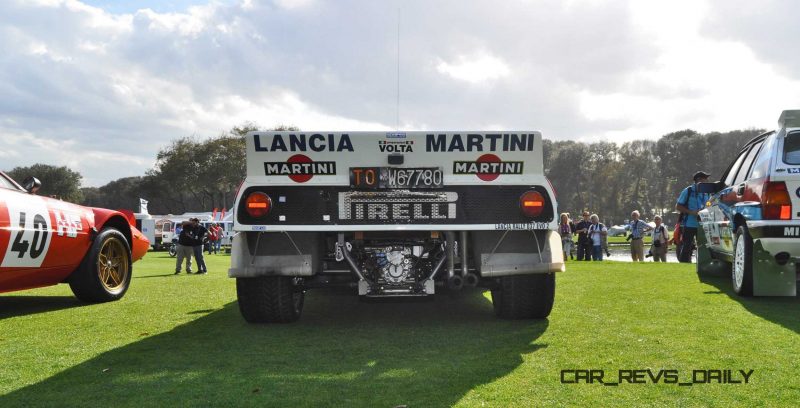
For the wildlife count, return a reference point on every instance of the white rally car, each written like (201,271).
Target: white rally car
(751,224)
(394,215)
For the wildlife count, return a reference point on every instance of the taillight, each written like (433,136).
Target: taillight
(531,203)
(258,204)
(775,202)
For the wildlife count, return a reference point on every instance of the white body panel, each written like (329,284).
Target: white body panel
(272,154)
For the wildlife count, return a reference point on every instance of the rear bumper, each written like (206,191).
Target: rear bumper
(547,260)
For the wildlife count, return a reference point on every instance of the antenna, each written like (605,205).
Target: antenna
(398,70)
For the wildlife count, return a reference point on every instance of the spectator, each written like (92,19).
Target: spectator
(566,229)
(584,242)
(596,232)
(199,235)
(184,248)
(214,238)
(660,241)
(638,228)
(178,229)
(689,203)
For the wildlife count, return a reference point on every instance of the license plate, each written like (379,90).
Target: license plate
(395,177)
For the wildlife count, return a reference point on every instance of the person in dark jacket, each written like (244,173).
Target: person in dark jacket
(584,242)
(199,235)
(185,247)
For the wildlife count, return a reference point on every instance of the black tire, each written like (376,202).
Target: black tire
(524,296)
(105,272)
(742,268)
(269,299)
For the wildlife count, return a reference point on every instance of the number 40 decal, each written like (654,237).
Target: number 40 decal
(34,247)
(30,232)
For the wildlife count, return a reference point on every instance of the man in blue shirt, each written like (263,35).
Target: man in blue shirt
(689,203)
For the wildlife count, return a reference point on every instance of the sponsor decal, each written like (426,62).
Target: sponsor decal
(487,167)
(529,226)
(300,168)
(300,142)
(794,171)
(67,224)
(395,135)
(390,146)
(385,207)
(402,211)
(475,142)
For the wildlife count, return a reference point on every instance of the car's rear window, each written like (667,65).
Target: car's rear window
(791,148)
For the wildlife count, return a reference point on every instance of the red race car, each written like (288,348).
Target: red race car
(45,241)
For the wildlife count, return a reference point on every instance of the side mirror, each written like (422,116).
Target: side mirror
(31,185)
(710,188)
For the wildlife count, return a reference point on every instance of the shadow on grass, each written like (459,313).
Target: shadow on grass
(342,352)
(11,306)
(153,276)
(782,310)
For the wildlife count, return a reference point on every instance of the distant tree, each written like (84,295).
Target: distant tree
(60,182)
(196,175)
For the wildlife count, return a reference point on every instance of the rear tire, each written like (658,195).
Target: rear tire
(524,296)
(105,272)
(742,275)
(269,299)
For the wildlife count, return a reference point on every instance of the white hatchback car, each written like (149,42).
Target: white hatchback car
(751,223)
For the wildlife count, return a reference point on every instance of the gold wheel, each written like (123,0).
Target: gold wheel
(113,265)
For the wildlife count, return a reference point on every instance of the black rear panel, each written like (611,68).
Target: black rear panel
(344,206)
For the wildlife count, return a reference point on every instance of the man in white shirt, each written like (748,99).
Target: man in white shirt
(638,228)
(596,232)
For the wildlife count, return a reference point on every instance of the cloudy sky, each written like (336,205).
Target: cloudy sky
(102,85)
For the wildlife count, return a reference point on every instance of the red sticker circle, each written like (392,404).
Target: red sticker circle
(488,158)
(300,158)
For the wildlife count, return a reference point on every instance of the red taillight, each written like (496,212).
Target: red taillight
(258,204)
(775,201)
(531,203)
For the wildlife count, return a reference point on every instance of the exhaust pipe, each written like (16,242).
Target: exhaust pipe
(350,261)
(454,282)
(469,279)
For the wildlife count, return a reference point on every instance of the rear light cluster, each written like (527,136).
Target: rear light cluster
(531,203)
(775,202)
(258,204)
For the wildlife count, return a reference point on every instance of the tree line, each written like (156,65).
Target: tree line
(613,180)
(605,178)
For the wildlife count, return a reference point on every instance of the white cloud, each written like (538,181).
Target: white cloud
(475,69)
(696,82)
(114,87)
(291,4)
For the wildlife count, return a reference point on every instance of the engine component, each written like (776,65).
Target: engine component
(392,265)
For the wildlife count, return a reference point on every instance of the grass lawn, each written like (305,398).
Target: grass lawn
(179,340)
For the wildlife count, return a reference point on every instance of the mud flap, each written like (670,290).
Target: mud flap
(769,278)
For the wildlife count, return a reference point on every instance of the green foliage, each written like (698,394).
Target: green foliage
(179,340)
(60,182)
(189,175)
